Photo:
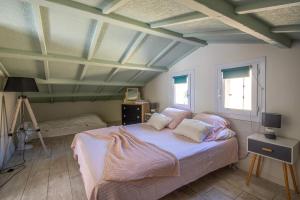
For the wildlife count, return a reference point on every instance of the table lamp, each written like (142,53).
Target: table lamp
(271,121)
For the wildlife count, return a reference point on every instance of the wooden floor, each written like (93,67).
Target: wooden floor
(57,177)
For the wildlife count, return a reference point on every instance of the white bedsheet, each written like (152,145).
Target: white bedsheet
(196,160)
(71,125)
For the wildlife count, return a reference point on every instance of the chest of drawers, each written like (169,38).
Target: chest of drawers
(134,113)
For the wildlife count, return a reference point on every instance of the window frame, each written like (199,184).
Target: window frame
(191,90)
(258,91)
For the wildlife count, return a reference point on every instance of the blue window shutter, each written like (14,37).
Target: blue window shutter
(237,72)
(180,79)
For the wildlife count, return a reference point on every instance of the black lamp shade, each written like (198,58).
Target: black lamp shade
(20,84)
(271,120)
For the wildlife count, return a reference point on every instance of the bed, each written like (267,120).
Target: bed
(196,160)
(71,125)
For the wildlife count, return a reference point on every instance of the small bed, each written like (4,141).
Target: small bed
(195,159)
(71,125)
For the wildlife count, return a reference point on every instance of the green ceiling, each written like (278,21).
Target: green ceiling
(91,50)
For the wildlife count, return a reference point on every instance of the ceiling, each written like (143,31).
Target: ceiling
(93,49)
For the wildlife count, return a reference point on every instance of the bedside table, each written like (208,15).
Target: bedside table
(282,149)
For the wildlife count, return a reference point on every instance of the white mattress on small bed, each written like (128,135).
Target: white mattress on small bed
(196,160)
(72,125)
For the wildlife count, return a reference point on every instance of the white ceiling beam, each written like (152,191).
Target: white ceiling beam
(53,81)
(20,54)
(4,70)
(162,53)
(287,29)
(112,73)
(41,36)
(265,5)
(134,44)
(91,50)
(113,5)
(56,95)
(135,76)
(182,57)
(225,12)
(96,34)
(96,13)
(181,19)
(214,33)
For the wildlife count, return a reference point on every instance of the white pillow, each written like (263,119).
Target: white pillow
(158,121)
(225,134)
(193,129)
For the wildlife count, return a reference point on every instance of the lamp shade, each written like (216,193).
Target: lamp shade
(20,84)
(271,120)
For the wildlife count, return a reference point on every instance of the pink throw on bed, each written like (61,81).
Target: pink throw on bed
(128,158)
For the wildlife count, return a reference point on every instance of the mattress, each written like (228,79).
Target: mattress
(72,125)
(196,160)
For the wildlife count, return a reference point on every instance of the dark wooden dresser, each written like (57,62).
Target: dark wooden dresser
(134,113)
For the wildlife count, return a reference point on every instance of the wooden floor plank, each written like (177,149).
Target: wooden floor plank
(59,181)
(37,184)
(58,177)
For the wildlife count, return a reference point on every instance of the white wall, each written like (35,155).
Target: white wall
(109,111)
(10,101)
(282,92)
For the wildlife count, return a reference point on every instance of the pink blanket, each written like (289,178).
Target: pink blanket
(128,158)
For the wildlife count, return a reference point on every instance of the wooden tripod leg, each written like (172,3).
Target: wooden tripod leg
(258,166)
(251,169)
(35,124)
(286,179)
(294,179)
(14,122)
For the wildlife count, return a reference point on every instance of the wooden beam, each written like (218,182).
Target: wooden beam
(20,54)
(264,5)
(113,5)
(163,52)
(134,44)
(214,33)
(41,36)
(96,13)
(182,57)
(55,95)
(91,50)
(287,29)
(112,73)
(4,70)
(225,12)
(181,19)
(76,82)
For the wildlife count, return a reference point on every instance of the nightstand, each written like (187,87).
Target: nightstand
(282,149)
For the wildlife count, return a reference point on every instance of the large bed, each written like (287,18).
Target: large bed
(195,159)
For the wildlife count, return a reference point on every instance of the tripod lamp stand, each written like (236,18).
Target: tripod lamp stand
(22,84)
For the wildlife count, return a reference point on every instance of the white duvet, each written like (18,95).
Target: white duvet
(71,125)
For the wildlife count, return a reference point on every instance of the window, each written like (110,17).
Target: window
(182,91)
(241,90)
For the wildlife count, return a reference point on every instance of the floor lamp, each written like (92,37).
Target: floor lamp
(22,84)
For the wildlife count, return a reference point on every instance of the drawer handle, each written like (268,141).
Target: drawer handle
(138,117)
(138,108)
(124,115)
(267,149)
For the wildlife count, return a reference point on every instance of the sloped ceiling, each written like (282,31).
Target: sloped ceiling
(92,50)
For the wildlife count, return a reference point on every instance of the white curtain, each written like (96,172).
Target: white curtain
(6,143)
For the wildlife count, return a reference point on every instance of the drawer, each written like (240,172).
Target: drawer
(128,122)
(270,150)
(132,109)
